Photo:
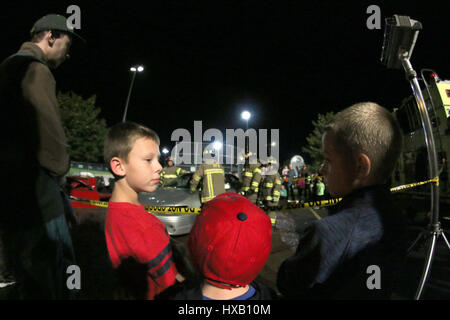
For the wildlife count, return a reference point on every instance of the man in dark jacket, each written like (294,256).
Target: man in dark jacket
(35,242)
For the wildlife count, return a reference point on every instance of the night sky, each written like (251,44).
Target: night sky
(209,60)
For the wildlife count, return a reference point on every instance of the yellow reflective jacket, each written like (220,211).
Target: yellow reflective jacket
(271,187)
(170,174)
(251,177)
(213,182)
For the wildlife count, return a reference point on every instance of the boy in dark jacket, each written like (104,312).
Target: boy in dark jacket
(229,244)
(355,252)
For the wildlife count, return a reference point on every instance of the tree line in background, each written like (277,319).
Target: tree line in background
(86,132)
(313,146)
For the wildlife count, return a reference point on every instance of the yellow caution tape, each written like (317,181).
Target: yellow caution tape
(331,202)
(173,210)
(93,202)
(415,184)
(153,209)
(308,204)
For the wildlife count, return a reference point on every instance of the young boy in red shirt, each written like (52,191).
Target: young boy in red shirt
(137,241)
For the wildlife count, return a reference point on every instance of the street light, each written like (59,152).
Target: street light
(133,69)
(246,115)
(165,150)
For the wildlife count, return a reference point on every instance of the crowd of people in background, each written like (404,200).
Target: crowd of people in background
(302,185)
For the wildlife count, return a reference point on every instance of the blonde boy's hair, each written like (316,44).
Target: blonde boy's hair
(368,128)
(121,137)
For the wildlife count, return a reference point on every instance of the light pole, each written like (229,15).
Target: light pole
(246,115)
(134,69)
(165,155)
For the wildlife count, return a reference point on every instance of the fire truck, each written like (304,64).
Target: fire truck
(413,163)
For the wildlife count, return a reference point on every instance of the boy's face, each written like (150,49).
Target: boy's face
(338,168)
(143,167)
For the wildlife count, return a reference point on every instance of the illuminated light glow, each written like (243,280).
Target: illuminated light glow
(245,115)
(217,145)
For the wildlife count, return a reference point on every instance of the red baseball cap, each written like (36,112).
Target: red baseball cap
(230,241)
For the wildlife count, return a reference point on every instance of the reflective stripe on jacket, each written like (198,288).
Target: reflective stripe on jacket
(169,174)
(271,187)
(251,177)
(213,183)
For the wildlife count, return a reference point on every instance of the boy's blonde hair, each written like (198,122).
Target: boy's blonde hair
(121,137)
(369,128)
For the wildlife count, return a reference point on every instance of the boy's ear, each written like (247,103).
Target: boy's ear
(364,166)
(117,166)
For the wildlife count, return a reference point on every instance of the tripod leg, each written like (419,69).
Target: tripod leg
(414,243)
(446,241)
(427,267)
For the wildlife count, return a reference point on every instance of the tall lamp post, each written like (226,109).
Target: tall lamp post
(134,69)
(246,116)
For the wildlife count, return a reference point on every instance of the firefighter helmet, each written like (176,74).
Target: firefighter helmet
(169,159)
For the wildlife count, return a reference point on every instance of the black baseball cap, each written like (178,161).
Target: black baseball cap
(54,22)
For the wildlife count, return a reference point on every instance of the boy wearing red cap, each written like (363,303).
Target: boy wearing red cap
(138,243)
(229,244)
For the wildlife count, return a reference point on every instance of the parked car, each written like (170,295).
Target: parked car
(87,188)
(177,194)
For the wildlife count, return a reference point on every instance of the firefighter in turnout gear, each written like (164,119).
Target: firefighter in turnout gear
(250,179)
(170,173)
(271,184)
(212,176)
